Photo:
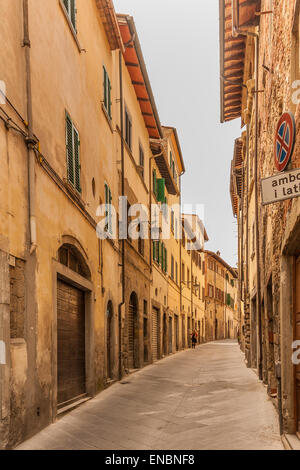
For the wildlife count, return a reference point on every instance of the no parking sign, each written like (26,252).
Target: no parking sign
(284,140)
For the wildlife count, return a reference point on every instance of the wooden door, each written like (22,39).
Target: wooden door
(170,336)
(131,320)
(176,333)
(155,336)
(183,332)
(109,343)
(165,335)
(70,344)
(297,338)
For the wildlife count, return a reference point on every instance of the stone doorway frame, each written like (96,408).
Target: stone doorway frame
(65,274)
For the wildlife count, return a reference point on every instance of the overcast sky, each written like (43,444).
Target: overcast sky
(180,43)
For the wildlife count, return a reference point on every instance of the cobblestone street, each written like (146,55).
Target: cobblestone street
(198,399)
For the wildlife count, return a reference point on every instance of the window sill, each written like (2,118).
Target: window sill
(74,34)
(77,195)
(108,119)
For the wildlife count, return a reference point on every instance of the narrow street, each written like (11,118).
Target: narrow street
(198,399)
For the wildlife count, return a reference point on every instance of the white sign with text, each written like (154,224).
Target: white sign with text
(285,185)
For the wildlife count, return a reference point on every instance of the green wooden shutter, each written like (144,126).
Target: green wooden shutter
(160,184)
(109,97)
(77,159)
(154,182)
(109,212)
(70,150)
(73,13)
(106,207)
(105,87)
(166,258)
(66,3)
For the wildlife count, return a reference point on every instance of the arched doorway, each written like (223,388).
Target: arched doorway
(71,328)
(132,331)
(109,340)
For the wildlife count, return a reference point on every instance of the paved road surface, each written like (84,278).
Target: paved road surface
(195,400)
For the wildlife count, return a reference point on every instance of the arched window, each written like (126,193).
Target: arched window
(70,256)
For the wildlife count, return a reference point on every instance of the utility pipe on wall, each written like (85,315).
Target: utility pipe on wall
(236,31)
(122,304)
(30,140)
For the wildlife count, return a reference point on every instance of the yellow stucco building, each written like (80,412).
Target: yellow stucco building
(85,299)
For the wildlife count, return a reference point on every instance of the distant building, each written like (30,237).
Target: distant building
(220,298)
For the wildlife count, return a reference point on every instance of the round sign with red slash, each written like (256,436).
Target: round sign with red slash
(284,140)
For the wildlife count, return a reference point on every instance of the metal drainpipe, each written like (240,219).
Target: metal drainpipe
(241,247)
(150,202)
(247,211)
(258,300)
(192,304)
(123,194)
(180,256)
(236,33)
(215,335)
(30,140)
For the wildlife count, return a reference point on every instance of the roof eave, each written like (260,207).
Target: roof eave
(174,130)
(110,22)
(139,52)
(221,21)
(222,261)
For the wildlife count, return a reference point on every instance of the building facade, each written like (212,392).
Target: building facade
(79,131)
(259,83)
(220,295)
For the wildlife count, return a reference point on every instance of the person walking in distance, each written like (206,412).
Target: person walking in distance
(194,339)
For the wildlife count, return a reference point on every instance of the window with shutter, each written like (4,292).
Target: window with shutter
(73,154)
(107,92)
(172,267)
(142,160)
(172,221)
(70,6)
(70,150)
(108,214)
(77,159)
(160,193)
(154,182)
(166,260)
(128,129)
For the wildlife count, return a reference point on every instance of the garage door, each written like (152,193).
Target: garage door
(70,343)
(176,326)
(155,336)
(131,316)
(170,336)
